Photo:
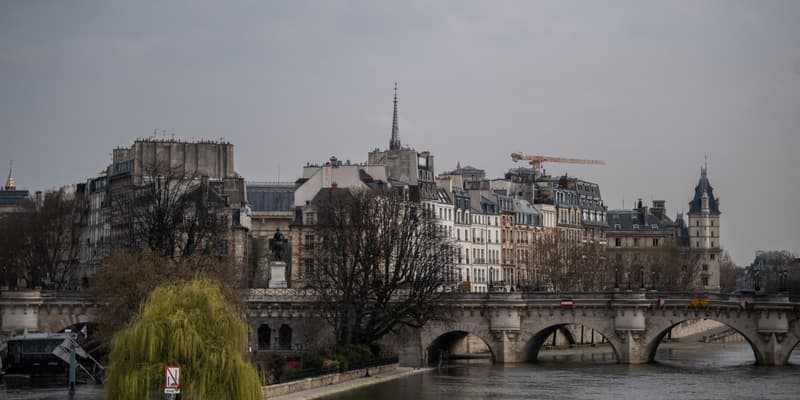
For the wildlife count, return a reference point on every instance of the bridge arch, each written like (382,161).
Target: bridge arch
(536,338)
(659,329)
(439,340)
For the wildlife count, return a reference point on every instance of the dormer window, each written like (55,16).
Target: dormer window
(635,226)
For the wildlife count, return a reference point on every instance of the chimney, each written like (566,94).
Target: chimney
(642,210)
(659,209)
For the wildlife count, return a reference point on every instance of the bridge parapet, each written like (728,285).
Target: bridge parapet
(37,310)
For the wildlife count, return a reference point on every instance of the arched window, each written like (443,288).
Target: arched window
(285,337)
(264,336)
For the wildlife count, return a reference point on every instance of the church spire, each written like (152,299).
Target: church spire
(704,168)
(10,184)
(394,143)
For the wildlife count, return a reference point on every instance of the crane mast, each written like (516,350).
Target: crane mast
(537,160)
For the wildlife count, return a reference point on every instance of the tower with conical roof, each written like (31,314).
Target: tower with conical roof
(394,142)
(704,231)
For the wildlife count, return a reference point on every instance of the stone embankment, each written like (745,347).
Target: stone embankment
(326,385)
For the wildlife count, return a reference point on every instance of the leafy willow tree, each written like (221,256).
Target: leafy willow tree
(190,325)
(380,264)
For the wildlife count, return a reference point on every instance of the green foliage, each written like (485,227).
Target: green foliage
(190,325)
(356,353)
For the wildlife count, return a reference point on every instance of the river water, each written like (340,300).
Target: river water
(682,371)
(686,371)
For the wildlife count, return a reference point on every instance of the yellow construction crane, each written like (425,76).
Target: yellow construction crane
(536,161)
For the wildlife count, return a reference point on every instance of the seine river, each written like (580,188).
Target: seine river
(683,371)
(687,371)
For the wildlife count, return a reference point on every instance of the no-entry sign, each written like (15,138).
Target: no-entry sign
(172,379)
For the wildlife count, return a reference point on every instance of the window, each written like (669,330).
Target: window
(698,223)
(285,337)
(223,248)
(309,266)
(636,242)
(618,242)
(705,267)
(309,242)
(705,281)
(712,223)
(264,336)
(655,242)
(635,226)
(712,256)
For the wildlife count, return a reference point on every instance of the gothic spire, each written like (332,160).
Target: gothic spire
(10,184)
(394,143)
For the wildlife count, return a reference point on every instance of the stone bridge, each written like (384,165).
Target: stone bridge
(515,325)
(44,311)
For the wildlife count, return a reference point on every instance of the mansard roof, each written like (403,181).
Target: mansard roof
(633,220)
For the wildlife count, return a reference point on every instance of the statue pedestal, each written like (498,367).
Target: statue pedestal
(277,271)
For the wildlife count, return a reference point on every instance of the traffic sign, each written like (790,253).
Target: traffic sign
(172,379)
(567,303)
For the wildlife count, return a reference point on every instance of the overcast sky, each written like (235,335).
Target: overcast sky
(650,87)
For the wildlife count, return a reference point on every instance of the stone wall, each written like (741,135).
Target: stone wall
(324,380)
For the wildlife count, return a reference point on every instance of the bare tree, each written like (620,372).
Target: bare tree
(379,264)
(129,275)
(171,213)
(564,265)
(729,273)
(41,244)
(13,244)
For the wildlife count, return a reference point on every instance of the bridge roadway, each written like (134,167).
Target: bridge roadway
(513,325)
